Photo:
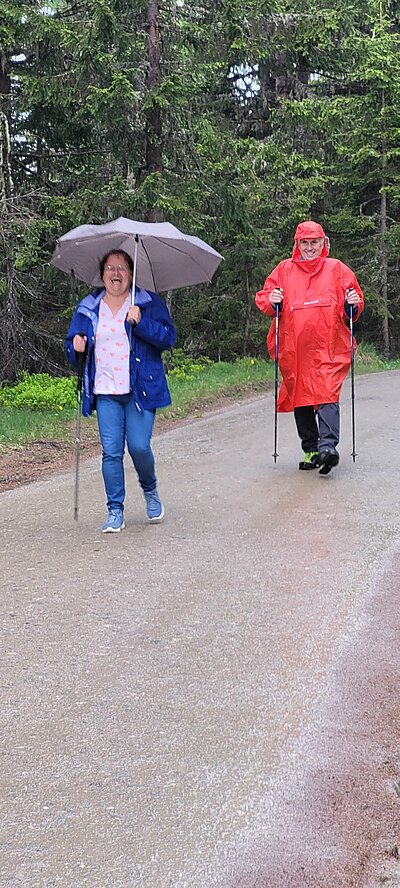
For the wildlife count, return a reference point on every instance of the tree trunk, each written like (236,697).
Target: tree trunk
(5,79)
(249,307)
(5,166)
(168,300)
(12,357)
(154,162)
(9,358)
(383,249)
(284,78)
(384,273)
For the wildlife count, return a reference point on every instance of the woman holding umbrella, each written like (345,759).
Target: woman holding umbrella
(124,379)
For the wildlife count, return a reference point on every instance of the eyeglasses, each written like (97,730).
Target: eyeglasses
(116,267)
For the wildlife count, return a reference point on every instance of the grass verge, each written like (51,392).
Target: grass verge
(193,391)
(190,392)
(19,425)
(216,382)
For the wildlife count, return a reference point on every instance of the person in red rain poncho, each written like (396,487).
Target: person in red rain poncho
(314,294)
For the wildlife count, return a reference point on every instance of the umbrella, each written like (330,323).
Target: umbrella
(164,258)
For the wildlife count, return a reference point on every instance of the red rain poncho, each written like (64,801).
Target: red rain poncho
(314,341)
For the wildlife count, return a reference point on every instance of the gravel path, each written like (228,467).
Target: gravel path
(213,701)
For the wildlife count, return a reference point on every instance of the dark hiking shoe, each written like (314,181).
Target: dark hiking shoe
(328,458)
(310,461)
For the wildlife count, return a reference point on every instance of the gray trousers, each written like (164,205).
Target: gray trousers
(318,428)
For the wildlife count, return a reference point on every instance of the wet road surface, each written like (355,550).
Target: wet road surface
(213,701)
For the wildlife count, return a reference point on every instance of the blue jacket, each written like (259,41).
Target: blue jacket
(154,333)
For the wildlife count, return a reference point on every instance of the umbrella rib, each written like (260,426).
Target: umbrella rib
(149,261)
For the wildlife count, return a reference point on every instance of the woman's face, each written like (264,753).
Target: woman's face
(311,248)
(117,275)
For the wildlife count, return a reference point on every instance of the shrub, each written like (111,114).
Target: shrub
(181,366)
(368,355)
(39,391)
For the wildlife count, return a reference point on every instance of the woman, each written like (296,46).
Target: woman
(124,379)
(314,294)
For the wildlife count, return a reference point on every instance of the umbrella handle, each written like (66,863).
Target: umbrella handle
(134,271)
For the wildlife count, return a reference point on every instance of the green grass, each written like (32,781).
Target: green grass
(19,425)
(193,387)
(217,381)
(190,389)
(368,361)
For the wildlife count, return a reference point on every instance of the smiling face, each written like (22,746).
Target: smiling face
(117,276)
(311,248)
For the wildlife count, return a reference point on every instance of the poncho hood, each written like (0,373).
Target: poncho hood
(309,230)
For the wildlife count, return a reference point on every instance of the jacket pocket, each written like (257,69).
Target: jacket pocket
(320,302)
(152,387)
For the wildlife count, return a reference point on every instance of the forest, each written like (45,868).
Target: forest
(232,120)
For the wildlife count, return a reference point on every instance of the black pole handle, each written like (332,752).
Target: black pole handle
(81,363)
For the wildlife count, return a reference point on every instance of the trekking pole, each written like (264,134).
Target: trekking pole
(275,453)
(79,385)
(353,415)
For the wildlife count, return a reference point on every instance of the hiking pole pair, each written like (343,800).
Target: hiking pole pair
(353,412)
(79,386)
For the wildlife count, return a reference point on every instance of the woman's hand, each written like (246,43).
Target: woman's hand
(134,315)
(276,296)
(79,343)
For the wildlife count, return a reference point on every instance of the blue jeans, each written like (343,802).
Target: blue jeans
(119,419)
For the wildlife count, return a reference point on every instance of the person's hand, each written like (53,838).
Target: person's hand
(276,296)
(134,315)
(352,296)
(79,343)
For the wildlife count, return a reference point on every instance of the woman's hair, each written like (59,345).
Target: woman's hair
(105,259)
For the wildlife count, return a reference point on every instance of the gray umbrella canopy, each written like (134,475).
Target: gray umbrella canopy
(164,257)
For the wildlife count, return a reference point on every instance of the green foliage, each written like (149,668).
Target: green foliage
(26,416)
(40,391)
(268,113)
(367,358)
(33,409)
(180,366)
(217,380)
